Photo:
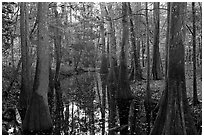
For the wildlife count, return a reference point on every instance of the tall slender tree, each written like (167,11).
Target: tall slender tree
(26,86)
(147,102)
(112,82)
(37,119)
(156,66)
(59,103)
(124,94)
(103,69)
(195,96)
(111,32)
(137,71)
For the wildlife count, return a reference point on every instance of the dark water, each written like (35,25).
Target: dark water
(83,95)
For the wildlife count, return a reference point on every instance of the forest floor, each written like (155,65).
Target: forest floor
(158,86)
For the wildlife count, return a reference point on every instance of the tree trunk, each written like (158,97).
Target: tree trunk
(148,101)
(112,84)
(51,91)
(59,103)
(135,128)
(156,66)
(137,68)
(111,31)
(12,51)
(195,96)
(138,25)
(124,94)
(26,87)
(200,53)
(112,87)
(103,69)
(131,73)
(66,119)
(37,119)
(91,116)
(72,127)
(103,80)
(174,113)
(108,51)
(143,54)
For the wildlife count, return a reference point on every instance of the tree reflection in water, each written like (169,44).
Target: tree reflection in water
(82,95)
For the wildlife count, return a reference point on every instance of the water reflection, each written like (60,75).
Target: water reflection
(82,101)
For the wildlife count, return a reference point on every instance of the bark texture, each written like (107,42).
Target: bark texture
(112,82)
(156,66)
(37,119)
(124,94)
(103,69)
(148,101)
(195,96)
(59,103)
(137,71)
(174,117)
(26,87)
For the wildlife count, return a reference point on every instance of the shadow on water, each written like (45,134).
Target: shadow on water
(82,95)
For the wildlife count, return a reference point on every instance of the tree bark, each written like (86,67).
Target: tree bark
(66,120)
(135,46)
(111,32)
(195,96)
(174,113)
(135,128)
(72,117)
(91,115)
(59,103)
(112,83)
(148,101)
(143,53)
(156,66)
(37,119)
(12,50)
(103,69)
(112,87)
(51,91)
(26,86)
(124,94)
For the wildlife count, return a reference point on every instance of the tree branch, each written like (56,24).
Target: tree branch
(189,29)
(35,25)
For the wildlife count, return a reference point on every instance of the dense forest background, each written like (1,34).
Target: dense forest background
(85,68)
